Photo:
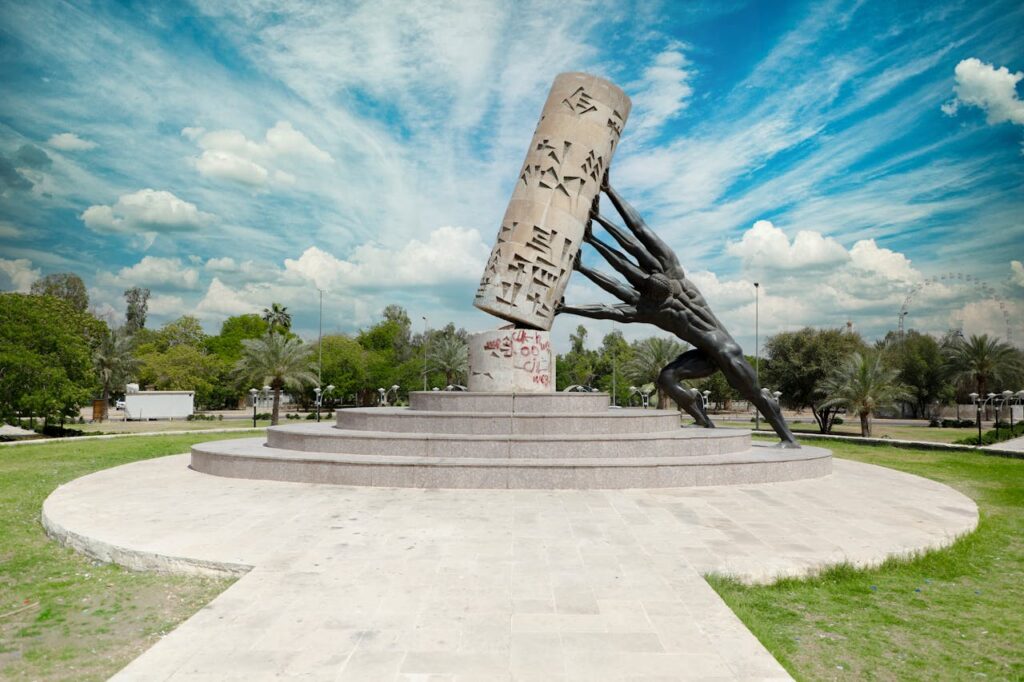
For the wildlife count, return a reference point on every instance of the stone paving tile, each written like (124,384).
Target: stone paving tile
(413,585)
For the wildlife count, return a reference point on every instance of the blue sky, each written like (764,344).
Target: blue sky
(228,155)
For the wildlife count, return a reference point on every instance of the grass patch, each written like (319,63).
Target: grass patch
(951,614)
(879,429)
(63,616)
(166,425)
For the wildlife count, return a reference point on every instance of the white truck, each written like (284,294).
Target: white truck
(140,405)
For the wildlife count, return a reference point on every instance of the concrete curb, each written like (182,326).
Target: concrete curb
(919,444)
(133,559)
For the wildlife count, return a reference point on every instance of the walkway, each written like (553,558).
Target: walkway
(403,584)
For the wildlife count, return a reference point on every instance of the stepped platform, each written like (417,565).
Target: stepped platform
(505,440)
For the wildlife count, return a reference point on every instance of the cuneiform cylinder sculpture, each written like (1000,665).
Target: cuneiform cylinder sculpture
(543,226)
(511,361)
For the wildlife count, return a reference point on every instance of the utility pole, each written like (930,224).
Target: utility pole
(615,363)
(757,349)
(320,342)
(426,343)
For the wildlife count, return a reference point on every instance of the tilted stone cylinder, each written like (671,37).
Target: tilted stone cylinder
(543,226)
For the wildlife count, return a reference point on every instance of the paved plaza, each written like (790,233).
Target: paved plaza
(358,583)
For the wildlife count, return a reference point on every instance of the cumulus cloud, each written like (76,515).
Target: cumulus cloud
(147,210)
(867,256)
(167,305)
(154,271)
(449,254)
(994,90)
(9,229)
(1017,272)
(766,246)
(221,300)
(224,264)
(69,142)
(19,273)
(230,155)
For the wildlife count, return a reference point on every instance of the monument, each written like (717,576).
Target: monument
(511,429)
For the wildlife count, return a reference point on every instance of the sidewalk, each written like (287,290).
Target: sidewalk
(1012,445)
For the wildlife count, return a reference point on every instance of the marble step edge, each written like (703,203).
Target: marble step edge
(509,402)
(759,464)
(681,433)
(402,420)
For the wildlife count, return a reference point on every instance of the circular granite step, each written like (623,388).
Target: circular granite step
(676,442)
(406,420)
(248,458)
(508,403)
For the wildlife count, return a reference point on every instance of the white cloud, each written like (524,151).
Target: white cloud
(449,254)
(154,271)
(167,305)
(230,155)
(225,264)
(867,256)
(20,273)
(664,92)
(147,210)
(69,142)
(9,229)
(994,90)
(221,300)
(1017,272)
(766,246)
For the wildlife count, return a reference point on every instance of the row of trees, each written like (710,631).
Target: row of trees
(55,356)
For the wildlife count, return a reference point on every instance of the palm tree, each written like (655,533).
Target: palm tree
(862,384)
(276,360)
(450,355)
(276,316)
(649,358)
(977,362)
(114,363)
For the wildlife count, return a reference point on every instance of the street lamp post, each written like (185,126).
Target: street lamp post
(385,392)
(320,342)
(757,348)
(252,394)
(320,398)
(979,402)
(706,395)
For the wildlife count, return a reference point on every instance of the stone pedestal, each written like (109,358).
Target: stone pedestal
(511,361)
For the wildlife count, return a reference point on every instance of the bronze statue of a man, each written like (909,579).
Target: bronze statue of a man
(660,294)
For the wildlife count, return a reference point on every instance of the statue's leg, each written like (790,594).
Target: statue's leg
(742,377)
(693,364)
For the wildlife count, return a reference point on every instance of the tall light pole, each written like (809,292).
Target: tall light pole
(757,348)
(320,343)
(426,343)
(615,362)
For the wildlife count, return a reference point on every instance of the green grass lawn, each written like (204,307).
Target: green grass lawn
(954,614)
(879,430)
(62,616)
(167,425)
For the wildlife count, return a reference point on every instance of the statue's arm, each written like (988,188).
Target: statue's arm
(600,311)
(609,284)
(652,242)
(617,260)
(628,242)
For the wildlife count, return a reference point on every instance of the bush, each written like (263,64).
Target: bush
(197,417)
(994,436)
(57,431)
(263,415)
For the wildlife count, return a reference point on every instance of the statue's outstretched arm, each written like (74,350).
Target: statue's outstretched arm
(601,311)
(628,242)
(609,284)
(617,260)
(657,248)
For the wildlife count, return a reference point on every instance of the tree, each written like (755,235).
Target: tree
(982,363)
(612,358)
(579,339)
(277,317)
(137,299)
(862,384)
(650,356)
(402,342)
(114,363)
(450,356)
(228,344)
(66,286)
(279,361)
(183,368)
(796,363)
(922,368)
(344,366)
(46,348)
